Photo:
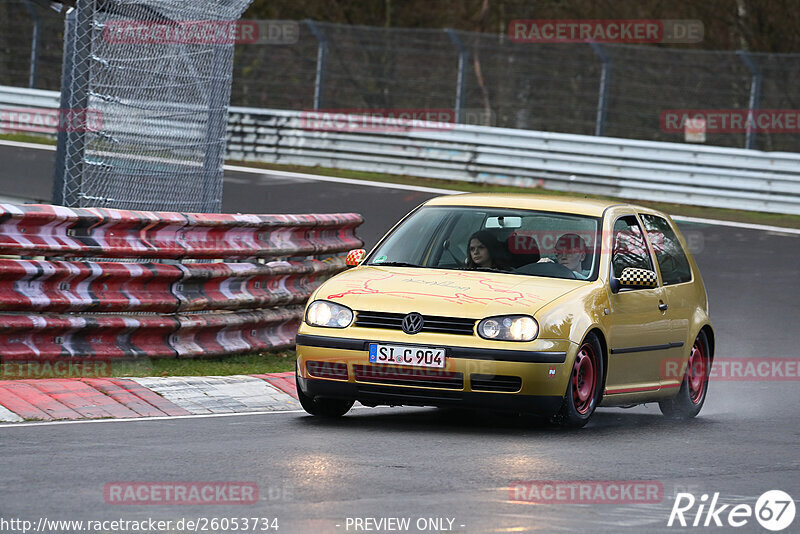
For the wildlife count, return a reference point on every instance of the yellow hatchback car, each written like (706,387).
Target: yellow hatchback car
(525,303)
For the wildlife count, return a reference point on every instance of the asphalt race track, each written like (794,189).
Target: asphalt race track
(422,463)
(28,174)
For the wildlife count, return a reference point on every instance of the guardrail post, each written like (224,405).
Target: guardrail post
(35,40)
(755,96)
(461,80)
(322,53)
(602,97)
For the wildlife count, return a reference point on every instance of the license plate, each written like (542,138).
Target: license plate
(406,355)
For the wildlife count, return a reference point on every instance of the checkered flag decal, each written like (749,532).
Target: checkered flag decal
(354,257)
(638,277)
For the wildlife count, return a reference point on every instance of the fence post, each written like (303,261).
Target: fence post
(755,96)
(68,174)
(461,80)
(36,39)
(602,97)
(66,70)
(218,100)
(322,53)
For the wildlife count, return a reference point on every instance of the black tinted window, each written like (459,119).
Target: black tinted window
(669,253)
(629,249)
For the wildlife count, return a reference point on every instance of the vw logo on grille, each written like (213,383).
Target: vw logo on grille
(412,323)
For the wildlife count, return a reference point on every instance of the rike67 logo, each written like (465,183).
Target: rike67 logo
(774,510)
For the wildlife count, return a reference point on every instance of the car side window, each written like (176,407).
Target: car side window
(630,249)
(669,252)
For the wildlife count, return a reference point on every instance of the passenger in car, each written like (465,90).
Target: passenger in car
(570,251)
(485,250)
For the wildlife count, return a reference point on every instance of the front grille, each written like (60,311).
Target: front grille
(432,323)
(334,370)
(398,376)
(375,395)
(495,383)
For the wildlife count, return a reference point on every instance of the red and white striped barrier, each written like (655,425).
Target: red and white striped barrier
(233,286)
(46,230)
(59,286)
(106,337)
(117,337)
(219,334)
(53,308)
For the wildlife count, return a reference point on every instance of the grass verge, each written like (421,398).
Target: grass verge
(249,364)
(27,138)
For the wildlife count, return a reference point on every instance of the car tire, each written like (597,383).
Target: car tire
(692,394)
(322,406)
(584,386)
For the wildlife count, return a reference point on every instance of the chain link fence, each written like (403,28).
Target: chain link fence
(145,116)
(612,90)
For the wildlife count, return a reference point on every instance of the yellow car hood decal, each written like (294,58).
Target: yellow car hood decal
(442,292)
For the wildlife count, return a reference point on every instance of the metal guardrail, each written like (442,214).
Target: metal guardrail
(29,98)
(640,170)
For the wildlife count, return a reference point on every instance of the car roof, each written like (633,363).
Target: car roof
(560,204)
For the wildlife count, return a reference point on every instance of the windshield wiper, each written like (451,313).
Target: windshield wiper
(394,264)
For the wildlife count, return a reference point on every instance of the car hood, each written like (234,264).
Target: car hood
(441,292)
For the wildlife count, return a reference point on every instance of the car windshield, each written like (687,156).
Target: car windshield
(512,241)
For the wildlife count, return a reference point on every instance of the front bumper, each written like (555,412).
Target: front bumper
(377,395)
(508,379)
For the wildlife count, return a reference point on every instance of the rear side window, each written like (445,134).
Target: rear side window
(669,253)
(629,249)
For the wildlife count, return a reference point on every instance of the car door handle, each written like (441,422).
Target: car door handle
(662,306)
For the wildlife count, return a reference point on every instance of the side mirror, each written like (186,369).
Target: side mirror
(354,257)
(632,278)
(613,284)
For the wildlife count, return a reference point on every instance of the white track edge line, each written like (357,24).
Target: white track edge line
(734,224)
(353,181)
(157,418)
(137,419)
(21,144)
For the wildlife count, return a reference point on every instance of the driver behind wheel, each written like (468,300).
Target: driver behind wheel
(570,251)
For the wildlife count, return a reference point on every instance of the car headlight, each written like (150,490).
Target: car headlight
(328,314)
(509,328)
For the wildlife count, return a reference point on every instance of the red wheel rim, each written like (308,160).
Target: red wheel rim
(584,379)
(697,372)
